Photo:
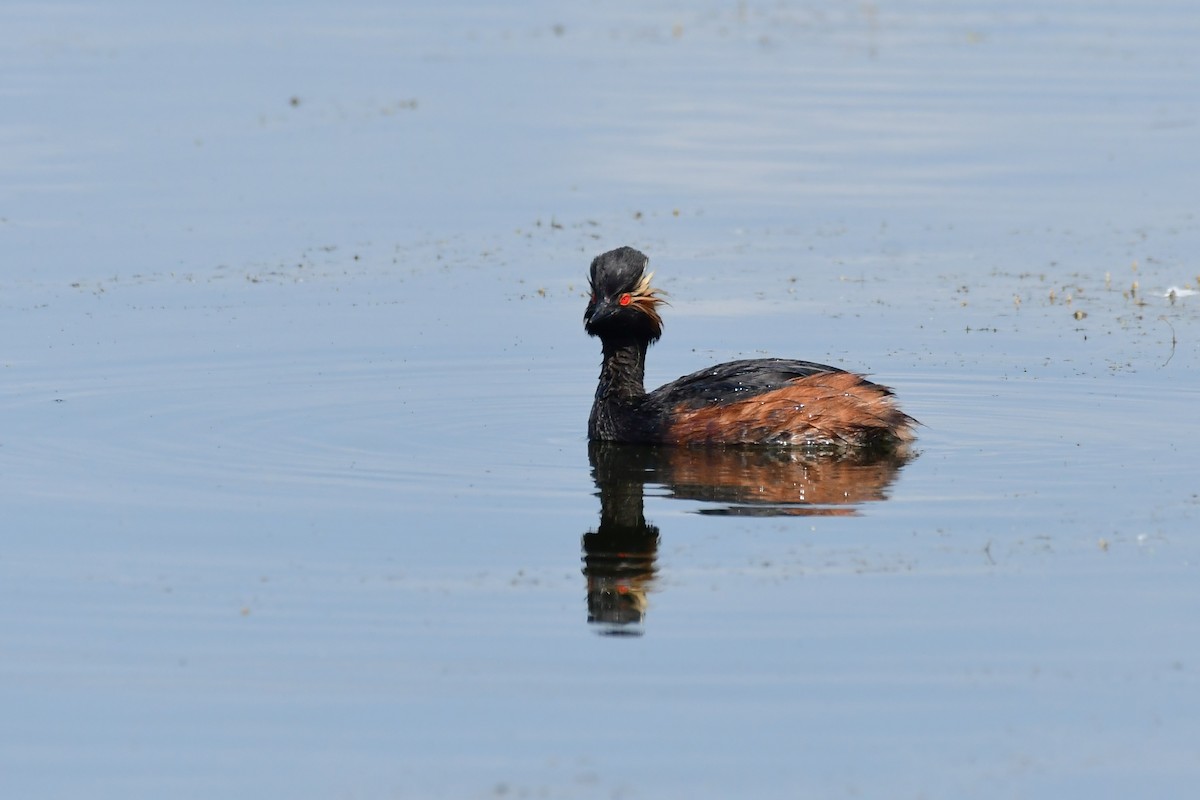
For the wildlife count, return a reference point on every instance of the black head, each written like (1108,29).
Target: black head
(623,303)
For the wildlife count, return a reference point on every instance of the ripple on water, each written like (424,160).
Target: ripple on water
(305,430)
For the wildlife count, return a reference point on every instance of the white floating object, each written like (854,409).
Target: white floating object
(1179,292)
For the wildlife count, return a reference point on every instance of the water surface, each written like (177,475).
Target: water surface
(296,492)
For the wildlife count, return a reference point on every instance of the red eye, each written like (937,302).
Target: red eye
(625,299)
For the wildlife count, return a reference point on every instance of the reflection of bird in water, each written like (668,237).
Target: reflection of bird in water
(758,401)
(619,556)
(776,481)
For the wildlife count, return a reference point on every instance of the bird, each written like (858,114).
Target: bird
(761,401)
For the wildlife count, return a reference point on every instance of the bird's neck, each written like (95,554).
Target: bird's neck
(623,370)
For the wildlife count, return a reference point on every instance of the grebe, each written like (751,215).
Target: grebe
(762,401)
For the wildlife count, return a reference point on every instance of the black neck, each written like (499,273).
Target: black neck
(623,370)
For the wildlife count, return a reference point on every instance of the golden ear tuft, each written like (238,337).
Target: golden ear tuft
(647,298)
(644,288)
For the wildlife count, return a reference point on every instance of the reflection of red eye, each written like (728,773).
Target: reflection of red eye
(625,299)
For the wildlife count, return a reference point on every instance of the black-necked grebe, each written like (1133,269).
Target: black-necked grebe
(763,401)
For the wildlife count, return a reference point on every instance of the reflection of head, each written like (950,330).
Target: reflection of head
(618,561)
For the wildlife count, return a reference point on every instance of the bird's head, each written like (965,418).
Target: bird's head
(623,303)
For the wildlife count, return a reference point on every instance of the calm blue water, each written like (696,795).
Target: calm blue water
(296,494)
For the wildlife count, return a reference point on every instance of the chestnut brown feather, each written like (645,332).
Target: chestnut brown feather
(837,410)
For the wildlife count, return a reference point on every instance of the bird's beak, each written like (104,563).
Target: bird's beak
(597,312)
